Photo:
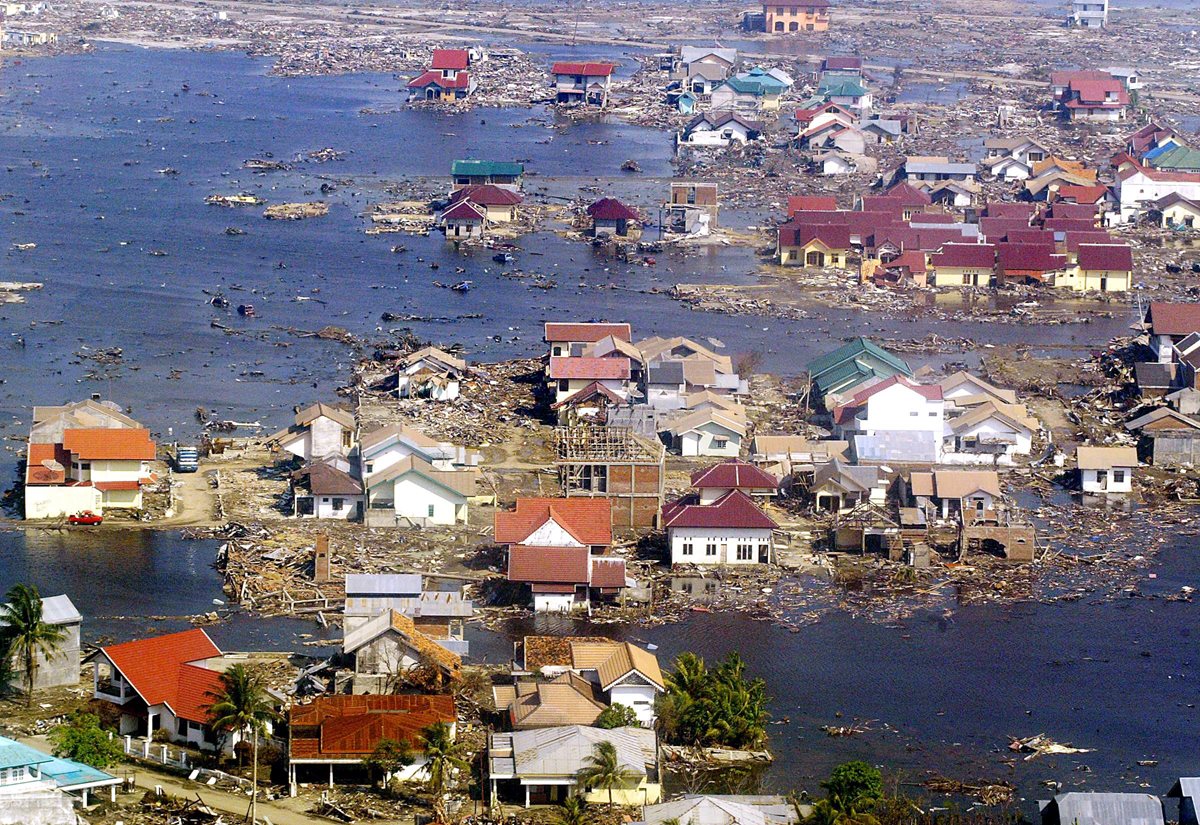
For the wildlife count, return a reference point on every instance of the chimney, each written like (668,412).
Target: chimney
(321,560)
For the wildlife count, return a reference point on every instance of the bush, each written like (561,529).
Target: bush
(617,716)
(854,784)
(82,740)
(161,736)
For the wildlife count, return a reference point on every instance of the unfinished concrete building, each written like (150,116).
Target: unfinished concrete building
(612,463)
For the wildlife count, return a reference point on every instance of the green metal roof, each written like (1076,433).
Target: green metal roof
(489,168)
(855,357)
(1181,158)
(841,87)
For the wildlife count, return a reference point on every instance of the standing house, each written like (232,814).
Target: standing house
(1168,324)
(1100,268)
(413,492)
(1091,808)
(163,683)
(89,469)
(318,431)
(499,205)
(719,129)
(1168,438)
(1094,99)
(62,668)
(963,264)
(754,91)
(611,217)
(567,375)
(388,647)
(582,83)
(447,78)
(325,489)
(897,404)
(504,174)
(707,432)
(541,767)
(1106,469)
(556,546)
(439,614)
(813,245)
(1089,14)
(962,496)
(839,487)
(430,373)
(463,221)
(852,364)
(1177,212)
(39,789)
(569,339)
(334,735)
(847,92)
(730,530)
(794,16)
(714,482)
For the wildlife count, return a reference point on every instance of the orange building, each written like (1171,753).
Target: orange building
(788,16)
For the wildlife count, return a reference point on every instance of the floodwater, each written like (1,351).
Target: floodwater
(82,140)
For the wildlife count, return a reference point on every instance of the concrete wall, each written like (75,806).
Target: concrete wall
(1091,482)
(36,806)
(554,602)
(638,697)
(327,438)
(415,495)
(57,671)
(59,502)
(702,441)
(726,543)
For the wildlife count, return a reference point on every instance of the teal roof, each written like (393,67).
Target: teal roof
(15,755)
(1182,158)
(756,82)
(841,87)
(855,358)
(489,168)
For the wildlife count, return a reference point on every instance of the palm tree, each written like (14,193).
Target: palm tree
(27,634)
(604,769)
(574,811)
(243,706)
(442,756)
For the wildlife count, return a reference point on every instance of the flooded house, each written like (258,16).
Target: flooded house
(1106,470)
(796,16)
(611,217)
(503,174)
(582,83)
(732,530)
(430,373)
(616,464)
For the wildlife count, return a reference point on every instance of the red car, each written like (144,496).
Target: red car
(85,517)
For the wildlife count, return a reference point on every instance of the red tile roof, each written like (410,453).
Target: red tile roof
(1074,211)
(35,470)
(1069,224)
(732,510)
(464,211)
(1010,210)
(805,203)
(1036,237)
(608,571)
(100,444)
(106,486)
(450,59)
(592,390)
(908,195)
(586,69)
(734,474)
(975,255)
(1081,194)
(588,368)
(549,565)
(1074,239)
(1173,319)
(1096,257)
(1095,92)
(931,392)
(588,520)
(1064,78)
(350,727)
(431,78)
(802,234)
(995,229)
(586,333)
(486,194)
(841,62)
(159,670)
(611,209)
(1013,257)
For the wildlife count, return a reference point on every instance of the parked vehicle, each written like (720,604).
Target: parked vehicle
(187,459)
(86,517)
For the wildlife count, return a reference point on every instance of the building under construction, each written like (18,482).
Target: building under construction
(612,463)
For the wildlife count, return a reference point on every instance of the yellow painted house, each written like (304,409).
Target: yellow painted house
(818,246)
(1178,212)
(1100,268)
(963,264)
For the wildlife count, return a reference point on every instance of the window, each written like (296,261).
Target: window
(710,549)
(338,504)
(720,443)
(914,413)
(933,413)
(966,280)
(87,465)
(370,467)
(1118,476)
(686,548)
(345,439)
(778,25)
(793,26)
(557,351)
(563,384)
(181,727)
(745,552)
(431,511)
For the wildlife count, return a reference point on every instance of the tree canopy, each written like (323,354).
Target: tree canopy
(713,708)
(26,634)
(82,739)
(617,716)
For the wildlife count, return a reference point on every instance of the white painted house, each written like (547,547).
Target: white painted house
(386,446)
(732,530)
(412,491)
(990,432)
(719,129)
(707,432)
(1106,469)
(1138,186)
(318,431)
(430,373)
(897,404)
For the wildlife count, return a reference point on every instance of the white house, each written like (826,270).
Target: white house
(711,432)
(318,431)
(1106,469)
(384,447)
(834,163)
(325,489)
(430,373)
(567,375)
(731,530)
(719,129)
(164,683)
(415,492)
(990,432)
(1137,186)
(897,404)
(389,645)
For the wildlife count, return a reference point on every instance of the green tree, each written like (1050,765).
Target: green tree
(243,706)
(617,716)
(604,770)
(388,758)
(713,707)
(82,739)
(443,756)
(27,634)
(854,785)
(574,811)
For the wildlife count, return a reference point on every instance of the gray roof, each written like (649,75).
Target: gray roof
(563,751)
(1151,374)
(708,71)
(690,54)
(850,476)
(436,603)
(1186,786)
(891,127)
(1079,808)
(59,610)
(918,447)
(667,372)
(925,167)
(383,584)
